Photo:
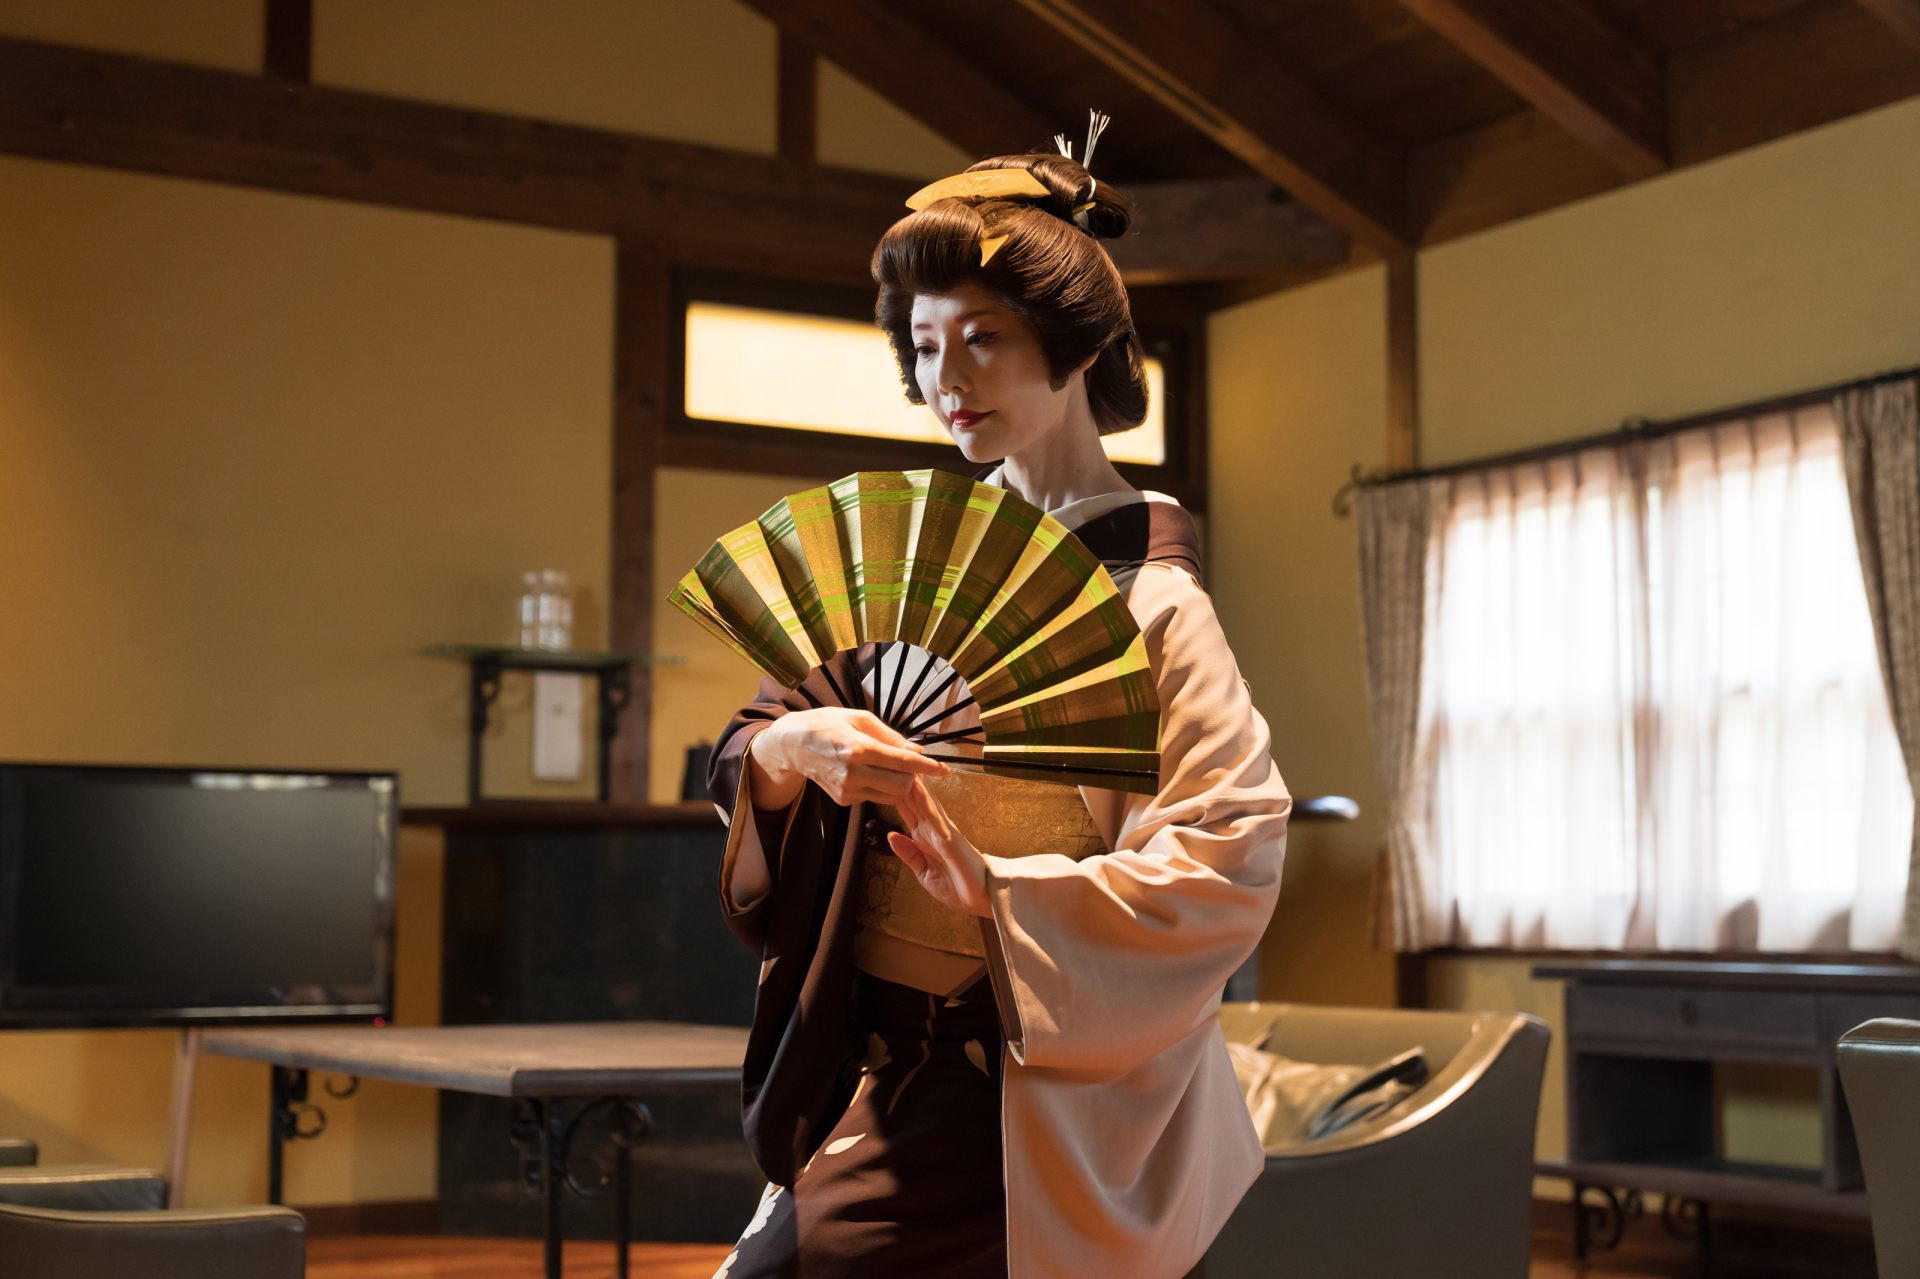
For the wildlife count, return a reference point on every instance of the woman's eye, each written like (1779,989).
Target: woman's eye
(923,350)
(979,339)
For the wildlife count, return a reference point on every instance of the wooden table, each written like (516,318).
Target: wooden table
(542,1068)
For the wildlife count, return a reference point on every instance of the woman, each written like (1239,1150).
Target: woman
(984,1041)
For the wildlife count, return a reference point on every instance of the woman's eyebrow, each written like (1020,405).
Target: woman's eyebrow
(964,315)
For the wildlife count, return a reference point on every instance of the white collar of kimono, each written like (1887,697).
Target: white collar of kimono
(1075,513)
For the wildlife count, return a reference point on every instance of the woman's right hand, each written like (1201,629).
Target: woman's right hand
(852,755)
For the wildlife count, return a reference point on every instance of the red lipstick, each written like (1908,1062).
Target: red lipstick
(965,419)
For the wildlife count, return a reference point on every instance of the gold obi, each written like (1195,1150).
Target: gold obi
(915,939)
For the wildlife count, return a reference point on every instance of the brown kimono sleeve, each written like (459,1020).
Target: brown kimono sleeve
(728,785)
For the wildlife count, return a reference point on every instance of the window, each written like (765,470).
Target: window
(1652,715)
(820,373)
(794,377)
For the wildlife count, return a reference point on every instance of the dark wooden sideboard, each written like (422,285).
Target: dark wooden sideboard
(1642,1038)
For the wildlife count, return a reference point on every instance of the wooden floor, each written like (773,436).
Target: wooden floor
(429,1257)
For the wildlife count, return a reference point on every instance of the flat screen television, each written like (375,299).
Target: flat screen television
(136,896)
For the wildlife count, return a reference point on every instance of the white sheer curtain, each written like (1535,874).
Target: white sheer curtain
(1652,716)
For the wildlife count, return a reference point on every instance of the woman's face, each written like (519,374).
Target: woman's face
(982,371)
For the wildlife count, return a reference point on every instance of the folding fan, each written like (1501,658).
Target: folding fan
(1002,593)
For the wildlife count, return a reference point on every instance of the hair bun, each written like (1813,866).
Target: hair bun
(1109,218)
(1111,214)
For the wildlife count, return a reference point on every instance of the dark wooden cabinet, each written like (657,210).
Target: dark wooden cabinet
(1642,1039)
(590,912)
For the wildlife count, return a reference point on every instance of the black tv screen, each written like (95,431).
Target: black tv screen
(166,896)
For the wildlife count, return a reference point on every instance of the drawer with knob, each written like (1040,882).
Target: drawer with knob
(1682,1020)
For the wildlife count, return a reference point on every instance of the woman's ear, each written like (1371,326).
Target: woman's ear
(1085,364)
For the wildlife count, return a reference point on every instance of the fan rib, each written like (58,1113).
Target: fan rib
(924,725)
(932,694)
(914,689)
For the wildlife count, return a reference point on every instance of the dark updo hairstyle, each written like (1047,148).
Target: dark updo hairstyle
(1048,270)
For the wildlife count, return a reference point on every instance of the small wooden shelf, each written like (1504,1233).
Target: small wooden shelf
(486,663)
(534,814)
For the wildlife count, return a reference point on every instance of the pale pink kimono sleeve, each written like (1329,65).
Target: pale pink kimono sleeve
(1109,960)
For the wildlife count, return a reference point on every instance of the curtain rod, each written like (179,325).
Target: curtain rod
(1634,428)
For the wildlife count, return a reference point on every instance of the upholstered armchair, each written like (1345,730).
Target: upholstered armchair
(1880,1073)
(96,1222)
(1439,1186)
(184,1243)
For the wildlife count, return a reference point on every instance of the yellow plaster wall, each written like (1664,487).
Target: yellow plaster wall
(1787,266)
(1295,397)
(690,70)
(226,34)
(858,129)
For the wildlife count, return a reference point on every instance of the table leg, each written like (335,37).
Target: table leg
(276,1141)
(622,1224)
(289,1102)
(1579,1228)
(551,1165)
(551,1183)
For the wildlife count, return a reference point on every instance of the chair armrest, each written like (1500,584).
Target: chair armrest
(18,1152)
(258,1243)
(84,1188)
(1468,1068)
(1440,1188)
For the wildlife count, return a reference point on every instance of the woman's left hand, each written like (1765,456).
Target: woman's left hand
(947,866)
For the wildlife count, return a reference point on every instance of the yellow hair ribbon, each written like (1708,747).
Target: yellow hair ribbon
(982,184)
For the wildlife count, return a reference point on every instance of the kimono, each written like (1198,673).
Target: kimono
(1123,1136)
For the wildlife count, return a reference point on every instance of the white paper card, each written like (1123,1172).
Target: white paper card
(557,701)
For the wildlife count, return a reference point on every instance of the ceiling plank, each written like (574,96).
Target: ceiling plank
(938,84)
(1577,70)
(1197,63)
(1213,229)
(1901,16)
(1807,67)
(1810,65)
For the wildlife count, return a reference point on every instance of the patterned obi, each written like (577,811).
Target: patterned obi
(904,935)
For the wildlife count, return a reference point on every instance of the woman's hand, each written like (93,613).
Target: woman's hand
(852,755)
(948,867)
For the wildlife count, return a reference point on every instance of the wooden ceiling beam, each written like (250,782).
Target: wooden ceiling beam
(288,50)
(941,85)
(1902,17)
(1195,62)
(699,204)
(797,99)
(1577,70)
(1807,66)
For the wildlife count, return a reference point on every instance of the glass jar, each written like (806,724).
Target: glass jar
(556,611)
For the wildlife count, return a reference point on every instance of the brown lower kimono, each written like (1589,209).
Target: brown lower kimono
(908,1181)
